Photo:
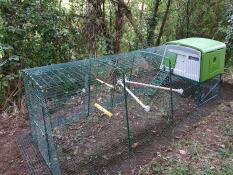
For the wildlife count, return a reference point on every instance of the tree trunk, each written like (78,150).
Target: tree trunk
(132,21)
(153,21)
(188,13)
(106,32)
(118,28)
(100,15)
(141,13)
(163,22)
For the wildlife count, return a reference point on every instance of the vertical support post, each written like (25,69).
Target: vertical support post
(131,71)
(95,84)
(47,154)
(112,97)
(127,115)
(30,105)
(52,148)
(113,91)
(89,89)
(171,92)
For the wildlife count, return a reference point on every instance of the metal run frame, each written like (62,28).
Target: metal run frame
(213,91)
(33,90)
(202,97)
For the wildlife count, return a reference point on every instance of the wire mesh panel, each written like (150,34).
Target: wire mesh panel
(185,68)
(84,114)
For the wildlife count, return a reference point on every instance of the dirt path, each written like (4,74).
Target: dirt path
(11,162)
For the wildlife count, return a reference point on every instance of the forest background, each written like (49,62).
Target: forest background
(42,32)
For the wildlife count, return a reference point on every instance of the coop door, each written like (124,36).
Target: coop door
(188,67)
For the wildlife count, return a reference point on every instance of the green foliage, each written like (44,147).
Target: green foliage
(37,33)
(204,18)
(230,21)
(32,34)
(229,36)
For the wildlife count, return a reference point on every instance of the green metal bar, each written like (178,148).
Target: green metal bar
(112,97)
(113,91)
(127,115)
(89,89)
(46,134)
(53,156)
(204,99)
(30,105)
(131,71)
(96,88)
(171,92)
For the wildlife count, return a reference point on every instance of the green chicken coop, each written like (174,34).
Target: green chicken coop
(196,59)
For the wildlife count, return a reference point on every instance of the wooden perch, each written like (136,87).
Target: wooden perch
(145,107)
(180,91)
(102,82)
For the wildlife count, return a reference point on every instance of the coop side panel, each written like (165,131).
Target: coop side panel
(38,118)
(28,94)
(212,64)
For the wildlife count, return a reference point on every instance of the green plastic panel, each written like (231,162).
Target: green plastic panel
(202,44)
(212,64)
(172,57)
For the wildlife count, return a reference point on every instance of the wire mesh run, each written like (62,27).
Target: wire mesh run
(35,163)
(86,113)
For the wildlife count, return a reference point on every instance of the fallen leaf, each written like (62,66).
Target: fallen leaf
(135,145)
(177,137)
(105,157)
(169,149)
(223,146)
(182,152)
(159,154)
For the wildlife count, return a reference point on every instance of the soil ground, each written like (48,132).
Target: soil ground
(201,141)
(183,129)
(206,148)
(11,162)
(203,148)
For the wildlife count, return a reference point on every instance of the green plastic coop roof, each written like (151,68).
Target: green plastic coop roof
(202,44)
